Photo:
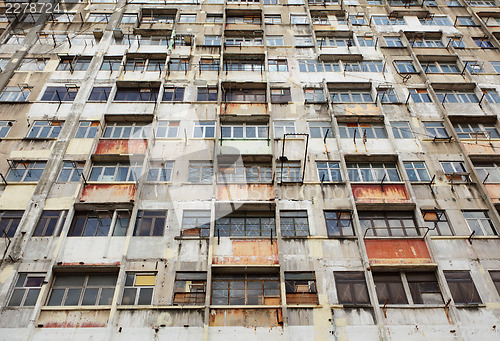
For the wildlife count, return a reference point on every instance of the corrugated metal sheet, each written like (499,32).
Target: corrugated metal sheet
(397,251)
(95,193)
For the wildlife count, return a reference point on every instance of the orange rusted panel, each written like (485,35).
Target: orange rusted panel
(380,194)
(494,192)
(121,147)
(245,192)
(244,109)
(73,319)
(482,147)
(302,298)
(397,251)
(108,193)
(360,109)
(251,252)
(246,317)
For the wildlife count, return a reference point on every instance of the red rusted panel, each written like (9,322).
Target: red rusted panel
(482,148)
(494,192)
(108,193)
(358,109)
(246,317)
(243,109)
(380,193)
(122,147)
(397,251)
(73,318)
(250,252)
(245,192)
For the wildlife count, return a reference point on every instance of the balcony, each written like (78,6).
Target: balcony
(121,147)
(380,194)
(397,251)
(108,193)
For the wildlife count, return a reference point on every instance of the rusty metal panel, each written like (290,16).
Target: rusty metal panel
(108,193)
(492,147)
(246,317)
(358,109)
(494,192)
(121,147)
(245,192)
(302,298)
(73,318)
(380,193)
(251,252)
(245,109)
(397,251)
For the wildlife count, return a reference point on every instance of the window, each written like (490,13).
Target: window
(244,131)
(393,42)
(82,289)
(283,127)
(48,223)
(488,172)
(364,66)
(243,65)
(462,287)
(476,130)
(207,94)
(296,19)
(280,95)
(420,95)
(436,21)
(213,40)
(100,94)
(31,64)
(59,94)
(466,21)
(453,3)
(483,43)
(384,20)
(150,223)
(366,41)
(339,223)
(243,41)
(495,277)
(129,18)
(139,288)
(480,223)
(71,171)
(301,288)
(45,129)
(26,290)
(196,223)
(372,172)
(91,224)
(328,171)
(152,18)
(14,39)
(245,173)
(440,67)
(455,170)
(26,171)
(492,96)
(303,41)
(275,40)
(278,65)
(387,95)
(200,171)
(111,172)
(388,223)
(99,18)
(15,94)
(189,288)
(389,288)
(213,18)
(422,42)
(248,19)
(401,130)
(294,223)
(187,18)
(125,94)
(209,64)
(482,3)
(357,19)
(358,130)
(314,95)
(178,64)
(167,129)
(405,66)
(249,224)
(333,42)
(316,66)
(496,66)
(455,96)
(245,95)
(245,289)
(111,64)
(173,94)
(320,130)
(160,171)
(320,20)
(437,222)
(341,20)
(86,129)
(204,129)
(272,18)
(126,130)
(435,130)
(351,288)
(135,64)
(5,128)
(416,171)
(74,64)
(9,221)
(155,65)
(288,172)
(351,96)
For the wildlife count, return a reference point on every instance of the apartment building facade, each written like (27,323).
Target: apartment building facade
(274,169)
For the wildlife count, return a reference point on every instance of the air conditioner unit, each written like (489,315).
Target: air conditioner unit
(98,33)
(118,33)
